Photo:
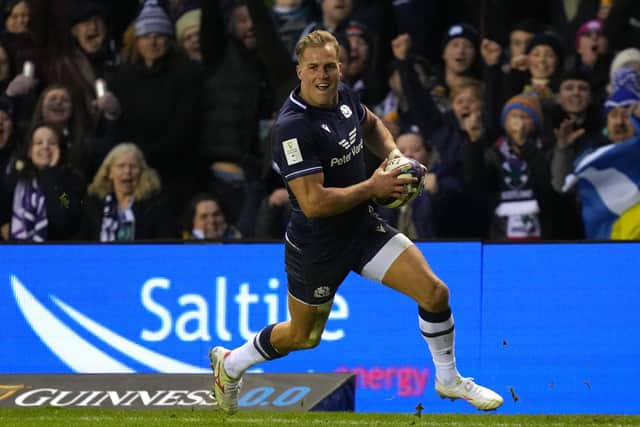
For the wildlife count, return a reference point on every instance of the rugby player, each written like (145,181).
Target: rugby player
(318,141)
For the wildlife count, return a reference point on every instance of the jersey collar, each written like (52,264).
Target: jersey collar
(297,100)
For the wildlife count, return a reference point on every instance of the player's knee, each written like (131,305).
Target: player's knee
(306,341)
(312,342)
(437,296)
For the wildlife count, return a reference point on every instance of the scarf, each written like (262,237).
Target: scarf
(117,224)
(518,210)
(29,216)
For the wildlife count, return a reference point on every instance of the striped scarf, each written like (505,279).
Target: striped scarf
(29,216)
(117,224)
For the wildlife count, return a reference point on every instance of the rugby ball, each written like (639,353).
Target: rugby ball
(410,169)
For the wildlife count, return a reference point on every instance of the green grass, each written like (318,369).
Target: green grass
(71,417)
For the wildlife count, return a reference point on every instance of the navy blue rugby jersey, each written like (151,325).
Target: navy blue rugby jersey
(308,140)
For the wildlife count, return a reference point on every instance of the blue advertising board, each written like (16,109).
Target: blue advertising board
(547,326)
(559,325)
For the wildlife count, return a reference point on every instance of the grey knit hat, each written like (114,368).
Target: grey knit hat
(153,19)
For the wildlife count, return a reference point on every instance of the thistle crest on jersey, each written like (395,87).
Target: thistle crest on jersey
(346,111)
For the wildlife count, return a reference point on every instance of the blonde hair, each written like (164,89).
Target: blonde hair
(476,86)
(317,38)
(129,53)
(148,183)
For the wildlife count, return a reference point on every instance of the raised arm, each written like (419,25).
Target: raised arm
(423,109)
(273,53)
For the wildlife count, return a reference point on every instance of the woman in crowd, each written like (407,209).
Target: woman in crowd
(57,107)
(159,92)
(44,192)
(125,201)
(17,36)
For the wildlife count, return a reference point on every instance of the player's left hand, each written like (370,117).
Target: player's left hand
(386,183)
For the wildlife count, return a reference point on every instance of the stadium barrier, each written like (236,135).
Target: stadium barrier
(260,392)
(549,326)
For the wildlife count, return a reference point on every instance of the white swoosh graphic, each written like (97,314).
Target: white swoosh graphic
(72,349)
(143,355)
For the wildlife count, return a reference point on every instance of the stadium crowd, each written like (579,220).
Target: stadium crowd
(150,120)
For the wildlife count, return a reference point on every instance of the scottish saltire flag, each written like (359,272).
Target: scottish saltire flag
(608,181)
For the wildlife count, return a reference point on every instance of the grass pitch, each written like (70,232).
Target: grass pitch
(71,417)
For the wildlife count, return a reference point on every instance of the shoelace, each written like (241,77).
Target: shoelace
(470,386)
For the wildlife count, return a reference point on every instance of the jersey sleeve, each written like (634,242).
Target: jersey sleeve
(294,149)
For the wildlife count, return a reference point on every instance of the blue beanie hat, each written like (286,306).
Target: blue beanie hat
(621,98)
(626,89)
(153,19)
(627,77)
(525,102)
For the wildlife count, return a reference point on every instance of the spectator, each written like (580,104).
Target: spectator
(566,16)
(519,38)
(335,15)
(592,57)
(44,192)
(619,105)
(545,58)
(125,201)
(188,33)
(159,95)
(460,60)
(543,66)
(516,174)
(448,132)
(85,151)
(291,17)
(361,72)
(17,91)
(17,36)
(55,106)
(77,55)
(628,57)
(577,125)
(205,220)
(395,110)
(248,74)
(607,180)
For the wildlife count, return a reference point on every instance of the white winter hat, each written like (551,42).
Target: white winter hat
(624,57)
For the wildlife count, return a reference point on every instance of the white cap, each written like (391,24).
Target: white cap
(623,57)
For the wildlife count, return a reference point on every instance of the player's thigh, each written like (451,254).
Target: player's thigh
(394,260)
(411,274)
